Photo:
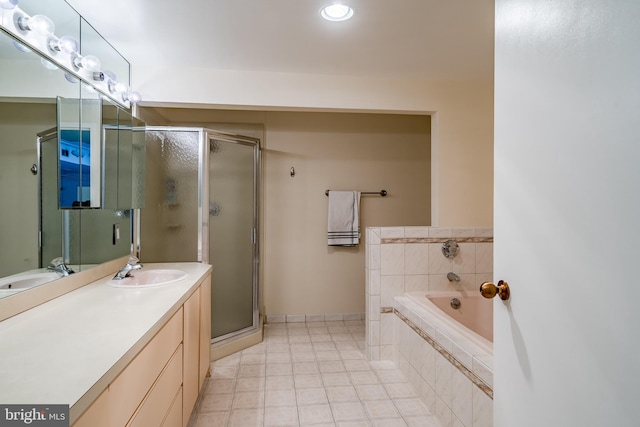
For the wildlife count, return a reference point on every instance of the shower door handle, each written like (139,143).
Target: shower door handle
(253,236)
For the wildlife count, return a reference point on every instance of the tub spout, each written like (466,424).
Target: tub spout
(453,277)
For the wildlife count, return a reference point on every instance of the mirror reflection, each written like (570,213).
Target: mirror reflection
(54,166)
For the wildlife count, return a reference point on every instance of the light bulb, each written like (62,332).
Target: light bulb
(70,78)
(8,4)
(21,47)
(118,87)
(89,62)
(336,12)
(66,44)
(37,23)
(48,65)
(133,97)
(109,76)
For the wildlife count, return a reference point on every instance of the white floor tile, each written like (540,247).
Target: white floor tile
(348,411)
(311,396)
(311,414)
(280,398)
(381,409)
(281,416)
(309,374)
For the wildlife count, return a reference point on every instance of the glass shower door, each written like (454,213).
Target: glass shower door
(233,171)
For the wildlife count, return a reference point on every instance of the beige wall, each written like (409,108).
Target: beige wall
(342,152)
(462,130)
(368,152)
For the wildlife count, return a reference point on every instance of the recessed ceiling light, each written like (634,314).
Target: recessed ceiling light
(336,12)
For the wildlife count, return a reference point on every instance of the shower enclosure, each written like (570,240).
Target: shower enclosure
(202,205)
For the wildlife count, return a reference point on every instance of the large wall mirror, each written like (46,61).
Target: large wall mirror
(68,159)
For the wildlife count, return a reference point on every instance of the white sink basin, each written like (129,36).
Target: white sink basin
(26,281)
(149,278)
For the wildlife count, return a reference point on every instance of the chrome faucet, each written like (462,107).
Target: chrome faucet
(132,264)
(58,265)
(453,277)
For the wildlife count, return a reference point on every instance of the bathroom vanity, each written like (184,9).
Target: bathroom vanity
(118,356)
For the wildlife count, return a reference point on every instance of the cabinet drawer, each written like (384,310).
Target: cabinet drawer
(174,416)
(115,406)
(152,410)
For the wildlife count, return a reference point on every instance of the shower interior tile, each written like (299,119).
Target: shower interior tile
(392,259)
(482,409)
(438,232)
(438,263)
(484,257)
(462,397)
(484,232)
(416,232)
(391,287)
(392,232)
(416,258)
(465,261)
(419,282)
(462,232)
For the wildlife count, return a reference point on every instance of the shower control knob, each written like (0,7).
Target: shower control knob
(490,290)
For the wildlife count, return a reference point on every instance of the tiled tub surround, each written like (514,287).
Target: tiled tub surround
(451,369)
(401,260)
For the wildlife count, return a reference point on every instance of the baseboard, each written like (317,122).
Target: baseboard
(301,318)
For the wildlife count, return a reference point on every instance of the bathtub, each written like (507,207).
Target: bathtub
(447,353)
(474,312)
(465,333)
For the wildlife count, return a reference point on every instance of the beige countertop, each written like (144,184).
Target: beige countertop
(66,351)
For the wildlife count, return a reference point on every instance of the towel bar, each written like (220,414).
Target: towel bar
(382,193)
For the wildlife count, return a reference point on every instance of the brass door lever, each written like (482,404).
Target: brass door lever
(489,290)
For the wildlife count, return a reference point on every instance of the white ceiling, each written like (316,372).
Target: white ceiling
(434,39)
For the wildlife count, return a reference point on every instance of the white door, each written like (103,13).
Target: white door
(567,213)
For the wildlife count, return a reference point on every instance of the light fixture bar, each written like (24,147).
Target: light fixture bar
(36,33)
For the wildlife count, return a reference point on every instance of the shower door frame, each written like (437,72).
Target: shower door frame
(204,138)
(213,135)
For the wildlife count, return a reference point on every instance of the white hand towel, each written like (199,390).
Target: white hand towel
(343,218)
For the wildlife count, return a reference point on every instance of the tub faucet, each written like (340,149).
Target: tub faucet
(58,265)
(453,277)
(132,264)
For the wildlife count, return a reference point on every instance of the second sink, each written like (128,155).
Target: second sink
(149,278)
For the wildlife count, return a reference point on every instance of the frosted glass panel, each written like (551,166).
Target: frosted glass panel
(231,222)
(170,221)
(138,164)
(50,216)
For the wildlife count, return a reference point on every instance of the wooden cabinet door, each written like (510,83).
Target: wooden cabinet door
(191,341)
(205,330)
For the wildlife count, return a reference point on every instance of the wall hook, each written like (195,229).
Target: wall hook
(292,171)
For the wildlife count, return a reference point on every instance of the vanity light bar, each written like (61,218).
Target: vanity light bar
(37,33)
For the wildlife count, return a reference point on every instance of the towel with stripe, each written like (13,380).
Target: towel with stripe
(344,218)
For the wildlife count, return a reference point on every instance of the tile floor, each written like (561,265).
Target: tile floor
(308,374)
